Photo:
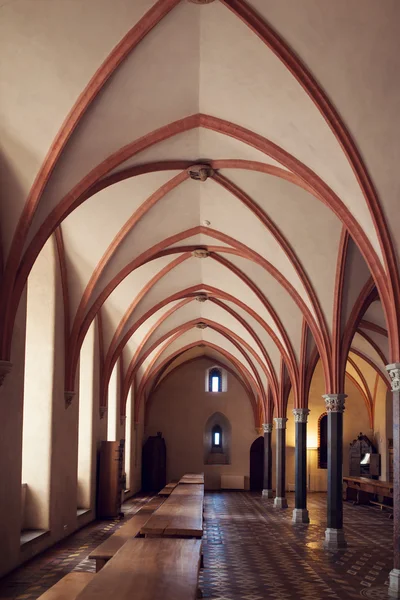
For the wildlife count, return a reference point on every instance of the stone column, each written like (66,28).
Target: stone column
(394,575)
(267,491)
(280,499)
(334,534)
(300,512)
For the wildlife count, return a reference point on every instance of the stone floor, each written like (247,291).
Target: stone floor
(251,551)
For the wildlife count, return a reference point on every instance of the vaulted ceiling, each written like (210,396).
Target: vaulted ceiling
(220,177)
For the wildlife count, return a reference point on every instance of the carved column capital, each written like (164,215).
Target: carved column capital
(301,415)
(280,422)
(5,368)
(394,374)
(334,402)
(267,427)
(68,396)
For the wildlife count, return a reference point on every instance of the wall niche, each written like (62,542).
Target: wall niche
(217,440)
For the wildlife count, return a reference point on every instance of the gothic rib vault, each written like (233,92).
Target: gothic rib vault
(136,134)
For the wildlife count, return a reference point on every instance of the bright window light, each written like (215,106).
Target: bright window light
(216,439)
(215,383)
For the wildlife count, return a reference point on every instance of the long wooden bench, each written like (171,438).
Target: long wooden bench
(197,479)
(152,505)
(181,515)
(103,553)
(149,569)
(168,489)
(361,490)
(68,587)
(381,505)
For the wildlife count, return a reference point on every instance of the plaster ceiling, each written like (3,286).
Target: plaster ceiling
(286,204)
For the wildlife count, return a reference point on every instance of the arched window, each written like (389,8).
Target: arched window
(216,437)
(215,380)
(323,442)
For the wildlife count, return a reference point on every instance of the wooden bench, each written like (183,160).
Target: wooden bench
(361,490)
(68,587)
(152,505)
(181,515)
(382,506)
(149,569)
(193,478)
(103,553)
(168,489)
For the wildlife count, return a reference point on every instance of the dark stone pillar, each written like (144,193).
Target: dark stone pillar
(267,491)
(394,575)
(300,512)
(334,534)
(280,498)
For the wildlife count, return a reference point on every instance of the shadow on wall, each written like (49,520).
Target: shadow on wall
(217,440)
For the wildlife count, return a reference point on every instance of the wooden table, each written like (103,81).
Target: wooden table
(181,515)
(148,569)
(362,489)
(192,478)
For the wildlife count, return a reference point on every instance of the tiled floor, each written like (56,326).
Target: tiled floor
(251,552)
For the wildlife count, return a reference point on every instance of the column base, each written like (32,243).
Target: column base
(280,503)
(267,494)
(334,539)
(394,583)
(300,515)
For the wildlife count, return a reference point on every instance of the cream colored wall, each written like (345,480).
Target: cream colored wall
(134,441)
(86,420)
(129,441)
(180,408)
(113,421)
(38,389)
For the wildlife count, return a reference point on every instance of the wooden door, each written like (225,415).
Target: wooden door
(257,464)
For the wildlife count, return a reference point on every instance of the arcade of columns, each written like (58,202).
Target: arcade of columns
(334,533)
